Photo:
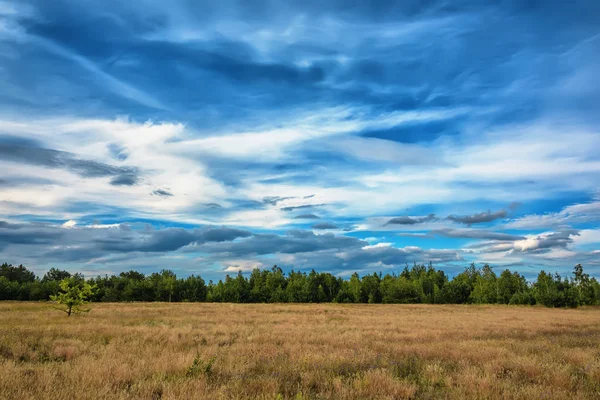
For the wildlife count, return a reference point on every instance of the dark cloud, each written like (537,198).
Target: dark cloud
(84,243)
(19,141)
(158,241)
(307,216)
(117,151)
(125,180)
(27,234)
(479,217)
(169,239)
(273,200)
(224,234)
(29,154)
(325,225)
(367,259)
(392,256)
(17,181)
(8,225)
(292,208)
(295,241)
(475,234)
(411,220)
(162,193)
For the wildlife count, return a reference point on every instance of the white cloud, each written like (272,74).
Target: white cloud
(587,236)
(69,224)
(377,246)
(273,143)
(573,214)
(241,265)
(169,157)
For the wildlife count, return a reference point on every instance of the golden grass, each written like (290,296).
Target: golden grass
(271,351)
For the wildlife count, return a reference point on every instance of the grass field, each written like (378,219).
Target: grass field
(271,351)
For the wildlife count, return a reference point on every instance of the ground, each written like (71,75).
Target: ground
(278,351)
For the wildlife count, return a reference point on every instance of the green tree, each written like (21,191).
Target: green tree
(485,289)
(55,274)
(274,285)
(399,290)
(18,274)
(73,294)
(587,288)
(510,283)
(355,289)
(370,287)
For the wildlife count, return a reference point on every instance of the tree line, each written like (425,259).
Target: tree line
(417,284)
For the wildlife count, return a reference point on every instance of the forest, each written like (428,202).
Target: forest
(417,284)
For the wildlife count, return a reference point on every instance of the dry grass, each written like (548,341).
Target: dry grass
(271,351)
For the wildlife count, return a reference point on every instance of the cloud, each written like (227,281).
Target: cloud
(105,243)
(28,234)
(547,245)
(544,241)
(411,220)
(162,193)
(118,151)
(85,243)
(325,225)
(307,216)
(382,255)
(273,200)
(125,180)
(479,217)
(224,234)
(21,153)
(570,215)
(377,246)
(475,234)
(300,207)
(241,265)
(294,241)
(69,224)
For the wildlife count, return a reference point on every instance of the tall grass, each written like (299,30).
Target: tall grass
(271,351)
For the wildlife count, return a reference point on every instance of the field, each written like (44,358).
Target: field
(275,351)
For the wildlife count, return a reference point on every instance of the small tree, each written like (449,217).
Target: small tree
(73,294)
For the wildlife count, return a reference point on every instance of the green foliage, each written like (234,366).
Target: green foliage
(485,289)
(73,294)
(200,367)
(399,290)
(18,274)
(416,284)
(554,291)
(55,274)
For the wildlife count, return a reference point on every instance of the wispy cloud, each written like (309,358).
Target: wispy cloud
(478,218)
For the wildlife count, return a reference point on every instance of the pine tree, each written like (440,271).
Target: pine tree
(73,294)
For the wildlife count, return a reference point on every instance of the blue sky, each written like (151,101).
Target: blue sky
(208,137)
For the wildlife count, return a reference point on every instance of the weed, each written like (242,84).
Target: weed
(200,367)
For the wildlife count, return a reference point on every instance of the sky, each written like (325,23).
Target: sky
(212,137)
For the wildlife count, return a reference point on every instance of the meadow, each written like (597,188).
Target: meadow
(298,351)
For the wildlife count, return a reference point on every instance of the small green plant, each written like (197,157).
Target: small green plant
(73,294)
(408,368)
(199,366)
